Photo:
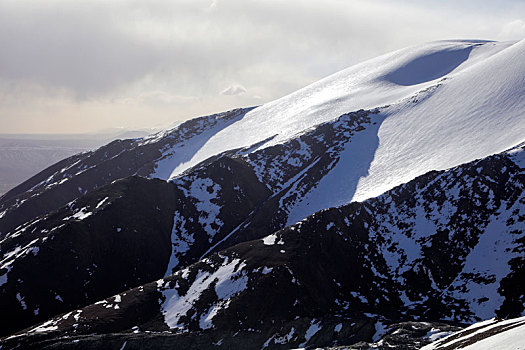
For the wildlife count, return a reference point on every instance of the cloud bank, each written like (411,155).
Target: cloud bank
(149,63)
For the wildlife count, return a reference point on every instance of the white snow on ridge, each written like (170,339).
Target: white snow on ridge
(386,80)
(511,336)
(179,154)
(360,86)
(477,112)
(474,108)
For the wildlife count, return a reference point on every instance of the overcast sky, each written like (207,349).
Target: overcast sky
(78,66)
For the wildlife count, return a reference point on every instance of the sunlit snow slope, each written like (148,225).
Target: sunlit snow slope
(486,335)
(470,104)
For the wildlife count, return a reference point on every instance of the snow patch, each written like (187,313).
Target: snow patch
(266,270)
(270,240)
(45,327)
(181,241)
(311,331)
(101,202)
(79,215)
(230,280)
(435,334)
(381,330)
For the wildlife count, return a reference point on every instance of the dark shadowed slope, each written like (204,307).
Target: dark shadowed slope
(445,246)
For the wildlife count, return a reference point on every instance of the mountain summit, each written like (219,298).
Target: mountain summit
(384,199)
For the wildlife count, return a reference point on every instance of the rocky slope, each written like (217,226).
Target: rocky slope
(303,222)
(445,246)
(75,176)
(228,199)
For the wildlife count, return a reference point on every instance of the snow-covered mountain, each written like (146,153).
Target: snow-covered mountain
(466,92)
(390,192)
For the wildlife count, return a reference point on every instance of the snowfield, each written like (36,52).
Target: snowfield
(467,92)
(486,335)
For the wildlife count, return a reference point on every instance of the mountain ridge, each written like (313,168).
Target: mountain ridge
(362,295)
(408,199)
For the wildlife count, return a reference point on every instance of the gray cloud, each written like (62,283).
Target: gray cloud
(135,62)
(235,89)
(75,46)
